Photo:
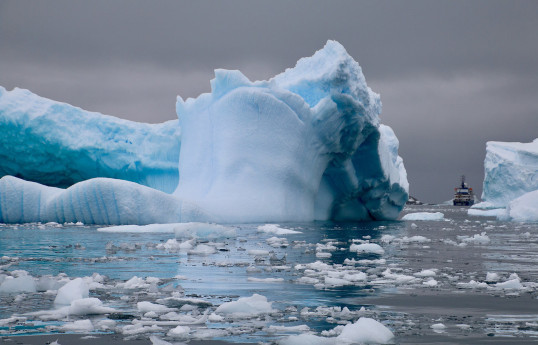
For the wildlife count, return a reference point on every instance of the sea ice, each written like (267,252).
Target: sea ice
(74,290)
(523,208)
(367,248)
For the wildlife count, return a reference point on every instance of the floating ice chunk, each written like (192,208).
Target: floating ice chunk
(158,341)
(276,229)
(492,277)
(479,239)
(265,280)
(22,283)
(89,306)
(426,273)
(138,328)
(430,282)
(78,326)
(258,252)
(364,331)
(486,213)
(146,306)
(287,329)
(134,283)
(246,306)
(513,283)
(367,248)
(203,249)
(424,216)
(438,327)
(206,231)
(174,245)
(74,290)
(179,332)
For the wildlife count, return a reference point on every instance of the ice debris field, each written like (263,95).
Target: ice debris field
(305,145)
(458,279)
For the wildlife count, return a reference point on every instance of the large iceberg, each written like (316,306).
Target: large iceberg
(511,170)
(304,145)
(57,144)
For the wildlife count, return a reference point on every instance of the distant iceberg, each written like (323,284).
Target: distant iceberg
(511,170)
(304,145)
(511,180)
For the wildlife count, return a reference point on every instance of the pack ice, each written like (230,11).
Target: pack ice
(304,145)
(511,179)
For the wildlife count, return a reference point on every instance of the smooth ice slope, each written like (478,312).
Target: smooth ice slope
(511,170)
(56,144)
(304,145)
(95,201)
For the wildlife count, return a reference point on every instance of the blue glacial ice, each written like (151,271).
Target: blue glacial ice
(57,144)
(304,145)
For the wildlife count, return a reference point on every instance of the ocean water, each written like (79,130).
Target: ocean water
(476,276)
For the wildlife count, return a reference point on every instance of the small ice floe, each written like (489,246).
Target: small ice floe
(364,331)
(179,332)
(426,273)
(265,280)
(370,248)
(145,307)
(430,282)
(277,242)
(276,230)
(405,239)
(80,326)
(463,326)
(486,213)
(258,252)
(203,249)
(173,245)
(513,283)
(139,328)
(424,216)
(19,283)
(246,307)
(492,277)
(477,239)
(74,290)
(438,327)
(287,329)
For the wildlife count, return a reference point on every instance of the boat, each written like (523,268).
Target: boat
(463,195)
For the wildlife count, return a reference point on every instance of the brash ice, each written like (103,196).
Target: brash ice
(304,145)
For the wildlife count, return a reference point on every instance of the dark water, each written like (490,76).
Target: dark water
(439,278)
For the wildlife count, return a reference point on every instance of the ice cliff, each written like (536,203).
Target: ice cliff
(56,144)
(511,180)
(511,170)
(304,145)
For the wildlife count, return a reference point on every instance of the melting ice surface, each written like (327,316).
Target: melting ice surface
(305,145)
(460,280)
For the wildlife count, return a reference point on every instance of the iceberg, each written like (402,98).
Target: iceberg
(58,145)
(305,145)
(511,170)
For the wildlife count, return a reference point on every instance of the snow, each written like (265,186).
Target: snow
(511,170)
(424,216)
(83,144)
(305,145)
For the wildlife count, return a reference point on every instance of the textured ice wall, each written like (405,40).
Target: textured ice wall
(304,145)
(57,144)
(511,170)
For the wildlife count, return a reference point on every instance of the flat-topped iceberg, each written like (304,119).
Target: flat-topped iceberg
(57,144)
(304,145)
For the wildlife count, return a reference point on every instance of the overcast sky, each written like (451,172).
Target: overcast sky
(451,74)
